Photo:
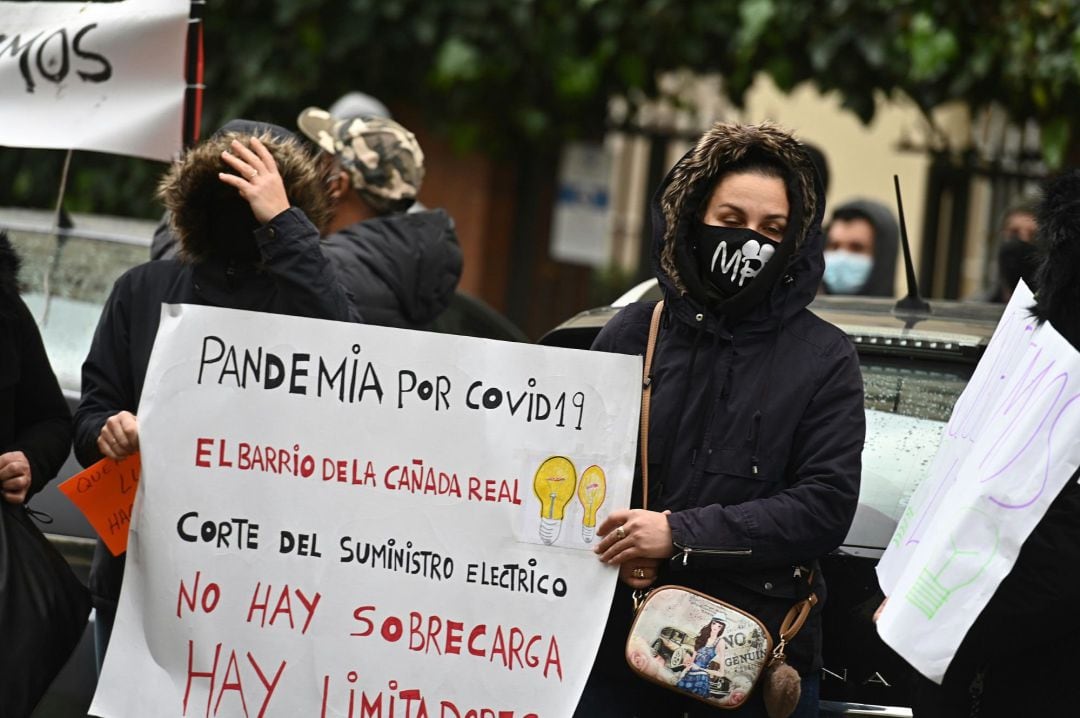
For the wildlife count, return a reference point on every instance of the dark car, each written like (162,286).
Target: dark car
(914,364)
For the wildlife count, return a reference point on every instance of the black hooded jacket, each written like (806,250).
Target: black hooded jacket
(401,269)
(882,279)
(291,276)
(757,420)
(34,417)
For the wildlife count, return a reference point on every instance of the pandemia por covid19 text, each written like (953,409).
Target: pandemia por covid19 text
(351,379)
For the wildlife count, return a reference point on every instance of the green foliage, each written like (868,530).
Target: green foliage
(502,74)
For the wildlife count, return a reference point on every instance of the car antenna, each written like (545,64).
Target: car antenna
(912,302)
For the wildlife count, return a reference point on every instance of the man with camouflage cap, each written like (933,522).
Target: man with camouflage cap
(401,268)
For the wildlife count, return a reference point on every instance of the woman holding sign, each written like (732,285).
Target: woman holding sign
(246,212)
(757,424)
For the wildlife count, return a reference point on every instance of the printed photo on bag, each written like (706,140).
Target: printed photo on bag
(699,646)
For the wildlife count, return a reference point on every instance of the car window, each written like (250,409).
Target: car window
(65,282)
(907,406)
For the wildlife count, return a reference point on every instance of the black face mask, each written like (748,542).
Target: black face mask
(1017,260)
(730,257)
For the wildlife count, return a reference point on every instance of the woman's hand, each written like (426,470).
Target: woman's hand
(256,179)
(634,534)
(877,613)
(119,437)
(14,476)
(640,573)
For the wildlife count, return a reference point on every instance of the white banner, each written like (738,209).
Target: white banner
(102,76)
(1008,449)
(337,520)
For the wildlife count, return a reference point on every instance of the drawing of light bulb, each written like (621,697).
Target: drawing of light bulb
(961,561)
(591,492)
(554,485)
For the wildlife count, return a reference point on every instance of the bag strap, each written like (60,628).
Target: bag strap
(646,396)
(793,623)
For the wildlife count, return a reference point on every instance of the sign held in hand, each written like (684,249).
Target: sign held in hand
(104,493)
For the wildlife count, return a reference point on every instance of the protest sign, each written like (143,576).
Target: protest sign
(1006,452)
(94,76)
(346,520)
(104,493)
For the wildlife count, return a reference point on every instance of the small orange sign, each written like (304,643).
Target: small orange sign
(105,493)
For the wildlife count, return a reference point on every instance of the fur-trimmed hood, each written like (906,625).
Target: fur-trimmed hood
(9,267)
(1057,296)
(210,219)
(678,200)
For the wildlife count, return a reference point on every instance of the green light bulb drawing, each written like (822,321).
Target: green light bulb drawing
(969,551)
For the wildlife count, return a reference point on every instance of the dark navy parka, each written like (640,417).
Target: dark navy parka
(757,422)
(400,269)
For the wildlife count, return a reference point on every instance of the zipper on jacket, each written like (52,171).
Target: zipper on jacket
(687,550)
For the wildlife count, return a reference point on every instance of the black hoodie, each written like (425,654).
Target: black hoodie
(401,269)
(34,417)
(757,419)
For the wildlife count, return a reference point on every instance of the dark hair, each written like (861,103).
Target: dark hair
(758,163)
(1058,239)
(848,214)
(703,636)
(1027,204)
(754,163)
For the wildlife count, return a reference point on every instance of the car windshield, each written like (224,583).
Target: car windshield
(65,282)
(906,409)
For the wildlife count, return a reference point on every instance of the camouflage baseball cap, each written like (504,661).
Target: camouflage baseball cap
(383,158)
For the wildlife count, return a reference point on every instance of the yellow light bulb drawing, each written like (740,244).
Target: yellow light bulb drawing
(554,485)
(591,492)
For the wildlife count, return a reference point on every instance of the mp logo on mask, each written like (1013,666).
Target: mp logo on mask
(742,262)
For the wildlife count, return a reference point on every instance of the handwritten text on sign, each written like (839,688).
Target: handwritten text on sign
(104,493)
(358,521)
(97,76)
(1009,447)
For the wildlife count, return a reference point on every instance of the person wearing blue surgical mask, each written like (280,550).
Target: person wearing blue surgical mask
(860,250)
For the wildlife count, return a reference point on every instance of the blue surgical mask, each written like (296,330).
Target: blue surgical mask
(846,272)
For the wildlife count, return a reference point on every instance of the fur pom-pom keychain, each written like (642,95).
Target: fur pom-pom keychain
(780,687)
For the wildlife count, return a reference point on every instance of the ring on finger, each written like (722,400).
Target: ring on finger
(253,174)
(620,533)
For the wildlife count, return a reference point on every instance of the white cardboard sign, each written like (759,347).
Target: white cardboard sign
(1008,449)
(103,76)
(337,520)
